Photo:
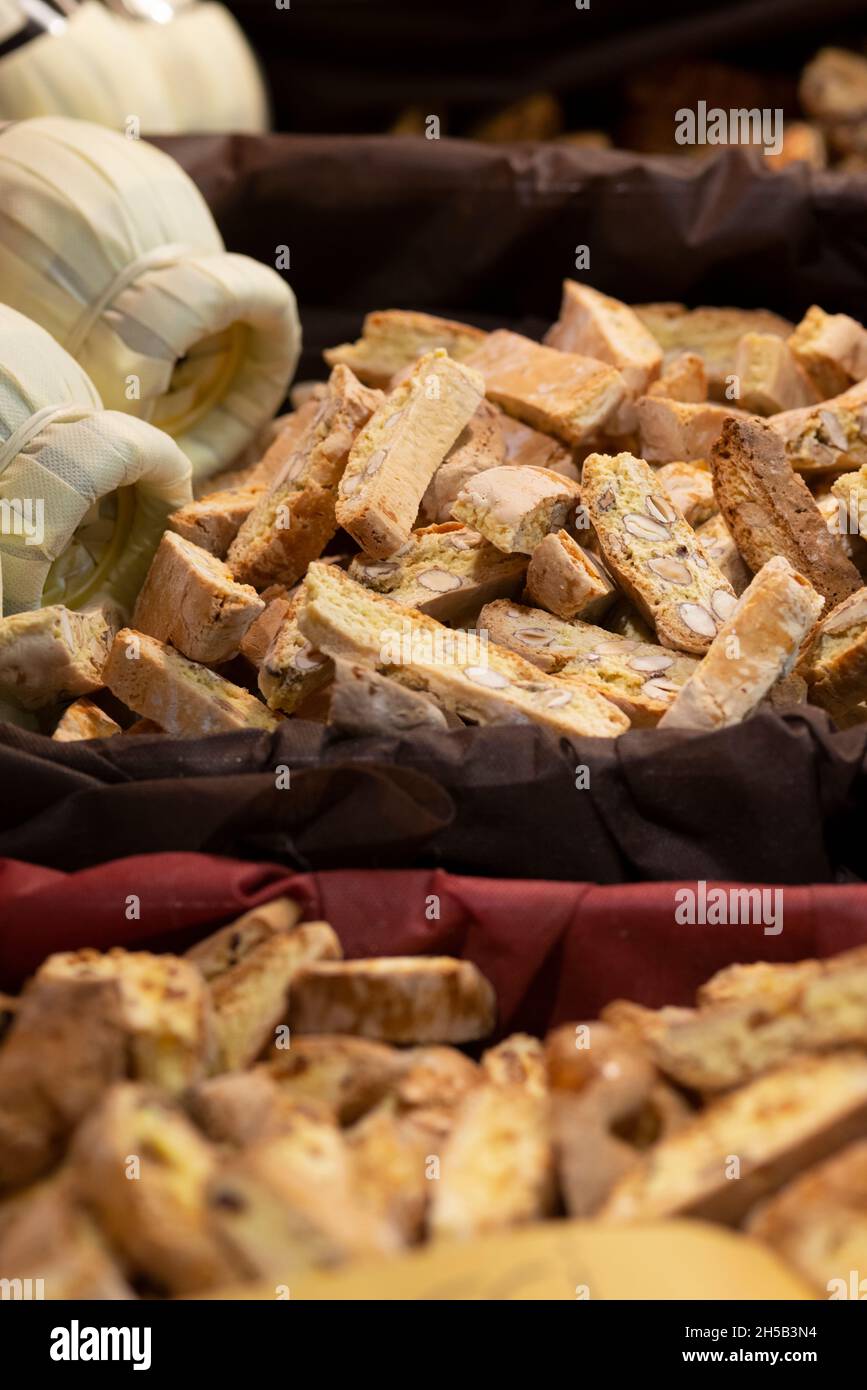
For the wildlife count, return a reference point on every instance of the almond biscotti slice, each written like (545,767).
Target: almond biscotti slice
(364,702)
(690,487)
(640,678)
(684,378)
(479,445)
(756,646)
(568,580)
(182,697)
(293,521)
(469,676)
(447,571)
(291,669)
(775,1127)
(514,508)
(835,663)
(770,511)
(713,333)
(529,448)
(831,349)
(52,654)
(653,553)
(393,338)
(213,521)
(678,430)
(395,456)
(718,545)
(827,437)
(261,633)
(83,719)
(189,598)
(595,325)
(396,999)
(769,377)
(560,393)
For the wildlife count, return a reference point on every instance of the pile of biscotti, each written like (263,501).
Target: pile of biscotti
(170,1125)
(655,517)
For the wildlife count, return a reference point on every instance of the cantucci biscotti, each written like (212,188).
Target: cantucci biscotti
(568,580)
(675,430)
(83,719)
(640,677)
(560,393)
(393,338)
(479,445)
(835,663)
(832,350)
(769,378)
(653,553)
(769,510)
(52,654)
(712,333)
(472,678)
(364,702)
(291,668)
(595,325)
(718,545)
(530,448)
(827,437)
(690,487)
(684,378)
(514,508)
(179,695)
(756,646)
(293,521)
(397,453)
(191,600)
(261,633)
(447,571)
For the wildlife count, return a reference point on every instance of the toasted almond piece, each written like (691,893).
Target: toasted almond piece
(560,393)
(831,349)
(179,695)
(497,1164)
(364,702)
(394,338)
(518,1060)
(770,376)
(828,437)
(713,333)
(479,445)
(775,1127)
(467,675)
(769,510)
(818,1223)
(756,646)
(350,1075)
(716,541)
(596,325)
(189,598)
(49,1240)
(52,654)
(568,581)
(679,430)
(252,998)
(399,999)
(226,947)
(161,1004)
(395,456)
(447,571)
(637,524)
(154,1213)
(515,508)
(82,720)
(684,378)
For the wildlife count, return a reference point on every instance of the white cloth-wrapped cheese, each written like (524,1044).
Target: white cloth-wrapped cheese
(109,245)
(84,492)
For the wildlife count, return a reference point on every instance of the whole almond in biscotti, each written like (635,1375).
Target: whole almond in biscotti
(468,675)
(595,325)
(568,580)
(560,393)
(479,445)
(396,455)
(447,571)
(770,511)
(690,487)
(653,553)
(675,430)
(835,663)
(514,508)
(769,377)
(641,678)
(392,339)
(755,647)
(827,437)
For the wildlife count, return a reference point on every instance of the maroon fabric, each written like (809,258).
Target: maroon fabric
(553,951)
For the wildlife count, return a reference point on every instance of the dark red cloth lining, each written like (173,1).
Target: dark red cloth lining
(553,951)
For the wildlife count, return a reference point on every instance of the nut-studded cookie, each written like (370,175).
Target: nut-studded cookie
(770,379)
(713,333)
(835,664)
(479,445)
(567,580)
(653,553)
(756,646)
(52,654)
(679,430)
(831,349)
(395,456)
(393,338)
(826,437)
(770,511)
(291,668)
(514,508)
(596,325)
